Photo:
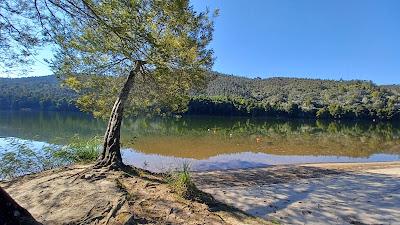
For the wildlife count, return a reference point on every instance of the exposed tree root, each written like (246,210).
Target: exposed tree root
(104,196)
(115,209)
(95,216)
(96,172)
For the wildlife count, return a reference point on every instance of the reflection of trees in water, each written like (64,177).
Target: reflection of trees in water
(51,127)
(200,137)
(202,125)
(203,137)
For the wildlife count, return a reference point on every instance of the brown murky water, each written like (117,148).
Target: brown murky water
(218,143)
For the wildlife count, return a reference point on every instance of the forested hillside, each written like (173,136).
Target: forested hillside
(238,96)
(297,98)
(35,93)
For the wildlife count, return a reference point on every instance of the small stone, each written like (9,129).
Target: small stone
(17,213)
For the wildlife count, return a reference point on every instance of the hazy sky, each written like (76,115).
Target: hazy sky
(329,39)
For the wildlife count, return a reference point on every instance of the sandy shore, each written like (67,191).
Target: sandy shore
(334,193)
(80,195)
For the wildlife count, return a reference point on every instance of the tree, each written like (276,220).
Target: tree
(20,35)
(160,46)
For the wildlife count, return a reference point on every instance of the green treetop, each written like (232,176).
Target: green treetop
(107,38)
(156,48)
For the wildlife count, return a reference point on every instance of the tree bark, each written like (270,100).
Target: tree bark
(111,153)
(11,213)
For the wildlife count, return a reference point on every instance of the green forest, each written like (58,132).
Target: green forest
(228,95)
(35,93)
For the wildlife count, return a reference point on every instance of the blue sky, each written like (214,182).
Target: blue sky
(329,39)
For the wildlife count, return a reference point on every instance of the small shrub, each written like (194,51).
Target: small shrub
(181,182)
(80,150)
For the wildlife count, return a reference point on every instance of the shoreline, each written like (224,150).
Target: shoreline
(352,166)
(355,166)
(317,193)
(322,193)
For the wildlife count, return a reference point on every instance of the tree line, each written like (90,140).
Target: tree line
(227,95)
(295,97)
(35,93)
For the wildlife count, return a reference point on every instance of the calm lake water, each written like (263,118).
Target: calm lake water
(209,143)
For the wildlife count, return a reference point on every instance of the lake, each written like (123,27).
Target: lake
(215,143)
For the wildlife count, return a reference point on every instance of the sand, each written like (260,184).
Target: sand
(75,195)
(337,193)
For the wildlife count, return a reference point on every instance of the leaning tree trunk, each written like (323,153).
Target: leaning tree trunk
(111,153)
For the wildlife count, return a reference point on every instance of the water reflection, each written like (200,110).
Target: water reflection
(160,163)
(219,143)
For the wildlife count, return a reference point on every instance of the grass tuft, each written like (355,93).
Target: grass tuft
(80,150)
(181,182)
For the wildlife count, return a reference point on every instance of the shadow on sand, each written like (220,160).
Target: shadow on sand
(308,195)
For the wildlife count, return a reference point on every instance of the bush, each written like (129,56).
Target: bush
(80,150)
(181,182)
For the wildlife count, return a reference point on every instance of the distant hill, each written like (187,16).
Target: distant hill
(35,93)
(297,97)
(291,89)
(238,96)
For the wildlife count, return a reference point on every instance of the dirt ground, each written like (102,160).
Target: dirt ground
(75,196)
(336,193)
